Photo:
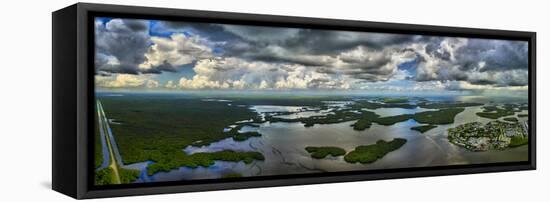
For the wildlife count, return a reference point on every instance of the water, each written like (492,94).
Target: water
(305,114)
(398,111)
(104,149)
(283,144)
(274,108)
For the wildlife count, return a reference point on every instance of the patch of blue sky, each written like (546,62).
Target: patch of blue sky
(218,51)
(103,20)
(187,70)
(158,29)
(409,66)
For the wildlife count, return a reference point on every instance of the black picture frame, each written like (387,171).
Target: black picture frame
(73,99)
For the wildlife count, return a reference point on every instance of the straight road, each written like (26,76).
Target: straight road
(103,129)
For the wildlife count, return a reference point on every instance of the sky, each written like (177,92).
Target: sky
(139,54)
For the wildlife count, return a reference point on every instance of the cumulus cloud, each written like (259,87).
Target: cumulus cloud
(516,77)
(464,85)
(125,81)
(216,56)
(241,74)
(170,85)
(373,65)
(167,54)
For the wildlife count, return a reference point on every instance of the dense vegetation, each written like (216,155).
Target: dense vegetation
(322,152)
(511,119)
(494,112)
(395,100)
(423,128)
(442,116)
(443,105)
(523,115)
(519,140)
(104,176)
(494,115)
(158,128)
(202,159)
(390,120)
(365,121)
(338,116)
(376,105)
(369,153)
(239,137)
(128,175)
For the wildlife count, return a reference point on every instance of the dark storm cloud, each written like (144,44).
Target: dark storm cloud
(332,42)
(126,40)
(496,54)
(213,32)
(302,60)
(321,49)
(164,67)
(101,61)
(434,49)
(137,25)
(199,27)
(256,43)
(316,48)
(367,63)
(373,64)
(103,74)
(477,61)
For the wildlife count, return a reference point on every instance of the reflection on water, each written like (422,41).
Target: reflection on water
(273,108)
(221,145)
(218,170)
(283,145)
(305,114)
(398,111)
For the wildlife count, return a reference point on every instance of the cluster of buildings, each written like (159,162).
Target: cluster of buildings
(494,135)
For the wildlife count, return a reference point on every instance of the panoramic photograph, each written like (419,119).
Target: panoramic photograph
(183,101)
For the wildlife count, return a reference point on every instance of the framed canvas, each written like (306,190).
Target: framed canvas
(155,100)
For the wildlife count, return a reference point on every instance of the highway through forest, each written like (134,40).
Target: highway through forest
(104,130)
